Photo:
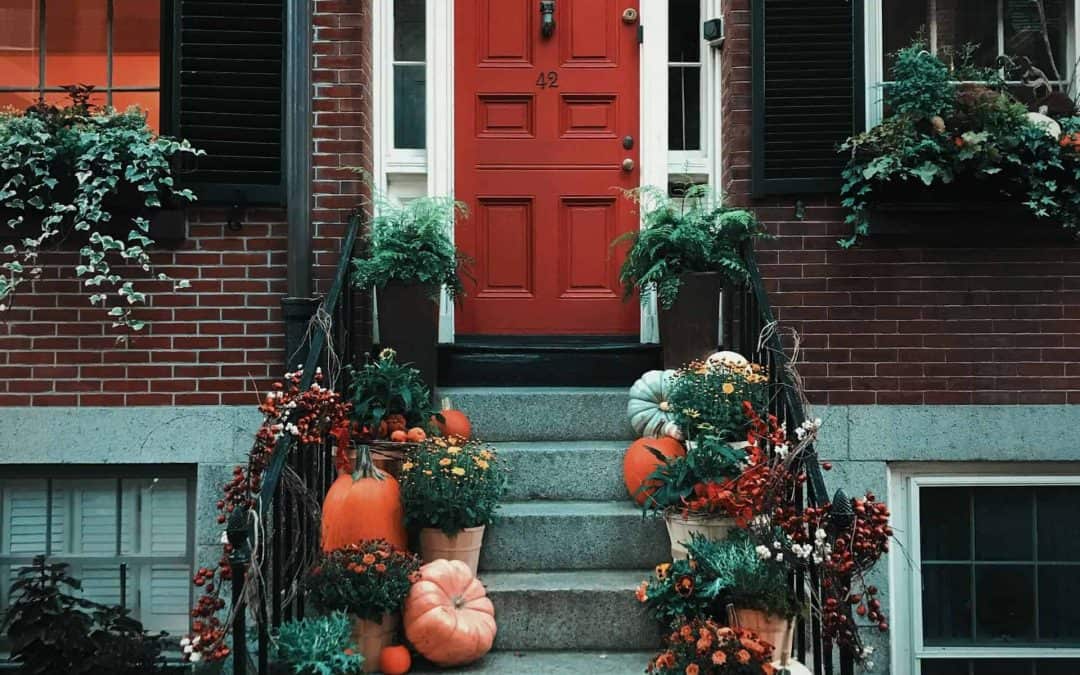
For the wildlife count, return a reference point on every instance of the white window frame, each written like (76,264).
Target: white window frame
(390,159)
(874,63)
(698,162)
(905,562)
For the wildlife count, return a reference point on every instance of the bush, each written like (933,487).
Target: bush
(320,645)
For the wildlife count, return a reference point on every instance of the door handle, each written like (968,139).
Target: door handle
(628,165)
(547,18)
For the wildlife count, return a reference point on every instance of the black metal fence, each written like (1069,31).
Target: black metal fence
(292,540)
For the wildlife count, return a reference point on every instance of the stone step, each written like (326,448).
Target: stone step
(587,470)
(552,663)
(570,610)
(573,535)
(543,413)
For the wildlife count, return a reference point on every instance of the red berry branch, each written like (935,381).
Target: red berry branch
(303,417)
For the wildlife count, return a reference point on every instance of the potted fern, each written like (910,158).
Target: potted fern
(685,251)
(411,256)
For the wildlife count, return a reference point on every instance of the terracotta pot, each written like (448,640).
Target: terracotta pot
(463,546)
(776,630)
(690,329)
(371,637)
(715,528)
(409,324)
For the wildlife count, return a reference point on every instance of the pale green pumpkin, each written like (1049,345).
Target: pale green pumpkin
(648,408)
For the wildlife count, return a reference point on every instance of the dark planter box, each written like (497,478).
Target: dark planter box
(691,328)
(409,324)
(168,226)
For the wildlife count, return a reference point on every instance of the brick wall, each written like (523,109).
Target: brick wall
(901,321)
(221,342)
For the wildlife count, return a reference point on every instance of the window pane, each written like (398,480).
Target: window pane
(1003,666)
(147,101)
(684,108)
(946,604)
(901,21)
(410,107)
(23,505)
(946,667)
(1004,603)
(409,44)
(1024,35)
(76,43)
(945,523)
(1059,586)
(965,22)
(1057,667)
(1003,524)
(86,513)
(18,43)
(1059,529)
(17,100)
(684,31)
(136,43)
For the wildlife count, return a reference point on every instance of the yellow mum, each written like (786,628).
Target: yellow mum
(485,454)
(728,388)
(453,450)
(407,466)
(457,471)
(445,461)
(481,463)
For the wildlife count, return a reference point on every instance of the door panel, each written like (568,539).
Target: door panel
(539,150)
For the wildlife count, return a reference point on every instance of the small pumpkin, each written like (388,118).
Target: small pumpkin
(395,660)
(448,617)
(729,359)
(398,436)
(648,408)
(453,423)
(370,492)
(416,435)
(639,462)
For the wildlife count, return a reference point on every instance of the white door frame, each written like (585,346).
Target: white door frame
(439,161)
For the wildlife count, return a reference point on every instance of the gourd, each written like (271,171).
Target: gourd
(730,359)
(398,436)
(453,423)
(448,617)
(639,462)
(416,435)
(648,408)
(363,505)
(395,660)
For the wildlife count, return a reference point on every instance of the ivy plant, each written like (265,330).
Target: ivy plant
(70,168)
(940,135)
(694,233)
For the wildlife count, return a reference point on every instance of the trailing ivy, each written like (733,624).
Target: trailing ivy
(69,167)
(941,133)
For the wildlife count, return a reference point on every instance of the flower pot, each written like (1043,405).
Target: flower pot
(715,528)
(776,630)
(463,546)
(371,636)
(409,324)
(690,329)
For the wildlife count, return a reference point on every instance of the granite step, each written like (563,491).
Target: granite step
(573,535)
(564,470)
(552,663)
(570,610)
(543,413)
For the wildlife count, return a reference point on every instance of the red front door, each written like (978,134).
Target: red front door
(545,135)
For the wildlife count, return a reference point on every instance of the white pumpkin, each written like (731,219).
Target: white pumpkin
(648,408)
(673,430)
(729,359)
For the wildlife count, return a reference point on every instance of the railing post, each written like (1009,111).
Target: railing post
(239,558)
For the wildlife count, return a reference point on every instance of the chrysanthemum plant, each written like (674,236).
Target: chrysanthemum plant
(451,484)
(369,579)
(707,647)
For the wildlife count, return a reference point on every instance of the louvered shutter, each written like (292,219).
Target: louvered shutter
(227,97)
(807,91)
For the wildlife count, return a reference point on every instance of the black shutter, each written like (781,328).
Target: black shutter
(807,91)
(227,97)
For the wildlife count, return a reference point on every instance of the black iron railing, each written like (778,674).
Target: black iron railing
(749,328)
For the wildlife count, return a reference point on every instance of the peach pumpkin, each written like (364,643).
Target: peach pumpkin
(638,462)
(448,617)
(363,505)
(395,660)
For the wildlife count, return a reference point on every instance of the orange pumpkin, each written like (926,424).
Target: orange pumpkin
(363,505)
(398,436)
(416,435)
(454,422)
(448,617)
(638,462)
(395,660)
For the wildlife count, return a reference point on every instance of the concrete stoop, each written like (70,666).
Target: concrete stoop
(569,547)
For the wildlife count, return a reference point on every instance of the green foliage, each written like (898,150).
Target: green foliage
(71,166)
(451,485)
(675,591)
(368,579)
(707,399)
(317,646)
(976,137)
(696,233)
(53,630)
(738,575)
(412,242)
(385,387)
(710,459)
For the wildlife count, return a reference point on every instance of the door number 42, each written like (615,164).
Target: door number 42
(548,80)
